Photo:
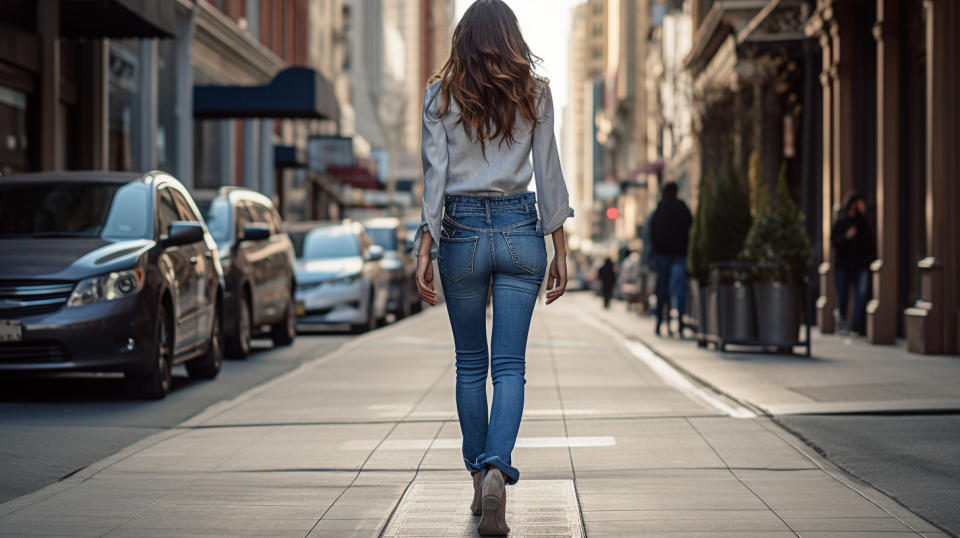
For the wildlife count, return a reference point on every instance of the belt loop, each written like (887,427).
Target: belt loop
(486,207)
(453,206)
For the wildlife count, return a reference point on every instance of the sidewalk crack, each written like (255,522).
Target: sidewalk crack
(734,474)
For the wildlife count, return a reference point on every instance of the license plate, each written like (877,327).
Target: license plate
(10,330)
(301,308)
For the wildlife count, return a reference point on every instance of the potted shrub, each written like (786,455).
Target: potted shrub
(697,262)
(726,229)
(778,248)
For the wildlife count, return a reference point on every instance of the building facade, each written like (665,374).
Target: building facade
(890,130)
(127,78)
(852,96)
(588,62)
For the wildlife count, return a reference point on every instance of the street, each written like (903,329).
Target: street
(53,427)
(362,440)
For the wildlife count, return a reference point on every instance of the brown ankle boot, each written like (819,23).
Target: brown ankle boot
(494,501)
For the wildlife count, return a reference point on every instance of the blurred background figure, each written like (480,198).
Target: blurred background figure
(608,277)
(630,280)
(855,249)
(669,230)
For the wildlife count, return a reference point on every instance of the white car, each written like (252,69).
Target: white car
(339,275)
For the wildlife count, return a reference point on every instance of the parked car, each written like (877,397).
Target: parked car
(257,258)
(339,277)
(399,263)
(107,272)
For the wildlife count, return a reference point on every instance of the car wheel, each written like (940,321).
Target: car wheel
(238,343)
(371,321)
(157,383)
(208,366)
(405,307)
(284,332)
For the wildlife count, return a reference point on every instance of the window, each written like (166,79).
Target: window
(244,216)
(166,211)
(75,209)
(14,133)
(183,206)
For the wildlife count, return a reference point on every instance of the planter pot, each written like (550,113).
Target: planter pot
(779,308)
(694,315)
(712,322)
(735,312)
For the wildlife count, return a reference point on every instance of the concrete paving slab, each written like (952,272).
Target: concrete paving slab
(534,508)
(330,449)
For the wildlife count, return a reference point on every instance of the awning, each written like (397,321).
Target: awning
(118,18)
(288,157)
(295,93)
(357,177)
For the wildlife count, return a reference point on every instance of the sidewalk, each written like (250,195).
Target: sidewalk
(365,441)
(844,374)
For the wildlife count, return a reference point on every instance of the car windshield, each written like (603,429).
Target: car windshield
(322,243)
(216,213)
(112,211)
(385,237)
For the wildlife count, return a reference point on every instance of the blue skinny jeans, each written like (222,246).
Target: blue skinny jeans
(488,241)
(671,283)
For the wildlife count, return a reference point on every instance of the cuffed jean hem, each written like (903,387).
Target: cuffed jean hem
(511,473)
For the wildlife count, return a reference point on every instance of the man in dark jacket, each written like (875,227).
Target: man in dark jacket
(853,240)
(669,231)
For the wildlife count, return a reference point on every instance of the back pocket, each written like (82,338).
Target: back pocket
(527,249)
(456,257)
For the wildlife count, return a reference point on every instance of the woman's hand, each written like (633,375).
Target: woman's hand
(425,271)
(557,281)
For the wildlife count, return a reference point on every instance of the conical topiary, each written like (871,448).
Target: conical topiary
(777,241)
(696,255)
(728,220)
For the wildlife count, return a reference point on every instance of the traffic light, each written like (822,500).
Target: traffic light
(612,213)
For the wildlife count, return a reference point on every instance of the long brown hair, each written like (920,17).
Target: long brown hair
(490,74)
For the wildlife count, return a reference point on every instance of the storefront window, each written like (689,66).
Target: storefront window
(166,104)
(13,131)
(124,77)
(207,146)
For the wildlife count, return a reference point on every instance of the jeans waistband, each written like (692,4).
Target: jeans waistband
(458,203)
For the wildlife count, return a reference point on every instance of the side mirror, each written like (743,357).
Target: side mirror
(184,233)
(255,232)
(375,253)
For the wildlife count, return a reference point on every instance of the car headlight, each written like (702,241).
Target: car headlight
(107,287)
(349,279)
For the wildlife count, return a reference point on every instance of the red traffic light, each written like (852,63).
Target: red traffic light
(612,213)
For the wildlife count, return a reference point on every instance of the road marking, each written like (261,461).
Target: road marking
(455,443)
(390,410)
(671,376)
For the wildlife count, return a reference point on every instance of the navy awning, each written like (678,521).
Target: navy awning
(118,18)
(295,93)
(288,157)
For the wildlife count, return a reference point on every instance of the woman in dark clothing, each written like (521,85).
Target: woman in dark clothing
(853,240)
(608,277)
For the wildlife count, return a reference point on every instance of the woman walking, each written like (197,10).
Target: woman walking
(483,116)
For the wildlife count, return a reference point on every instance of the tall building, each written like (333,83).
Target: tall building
(588,60)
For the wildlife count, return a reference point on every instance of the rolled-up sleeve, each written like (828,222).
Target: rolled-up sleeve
(553,201)
(433,152)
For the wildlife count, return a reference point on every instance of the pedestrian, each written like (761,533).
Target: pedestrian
(484,114)
(669,231)
(855,249)
(608,277)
